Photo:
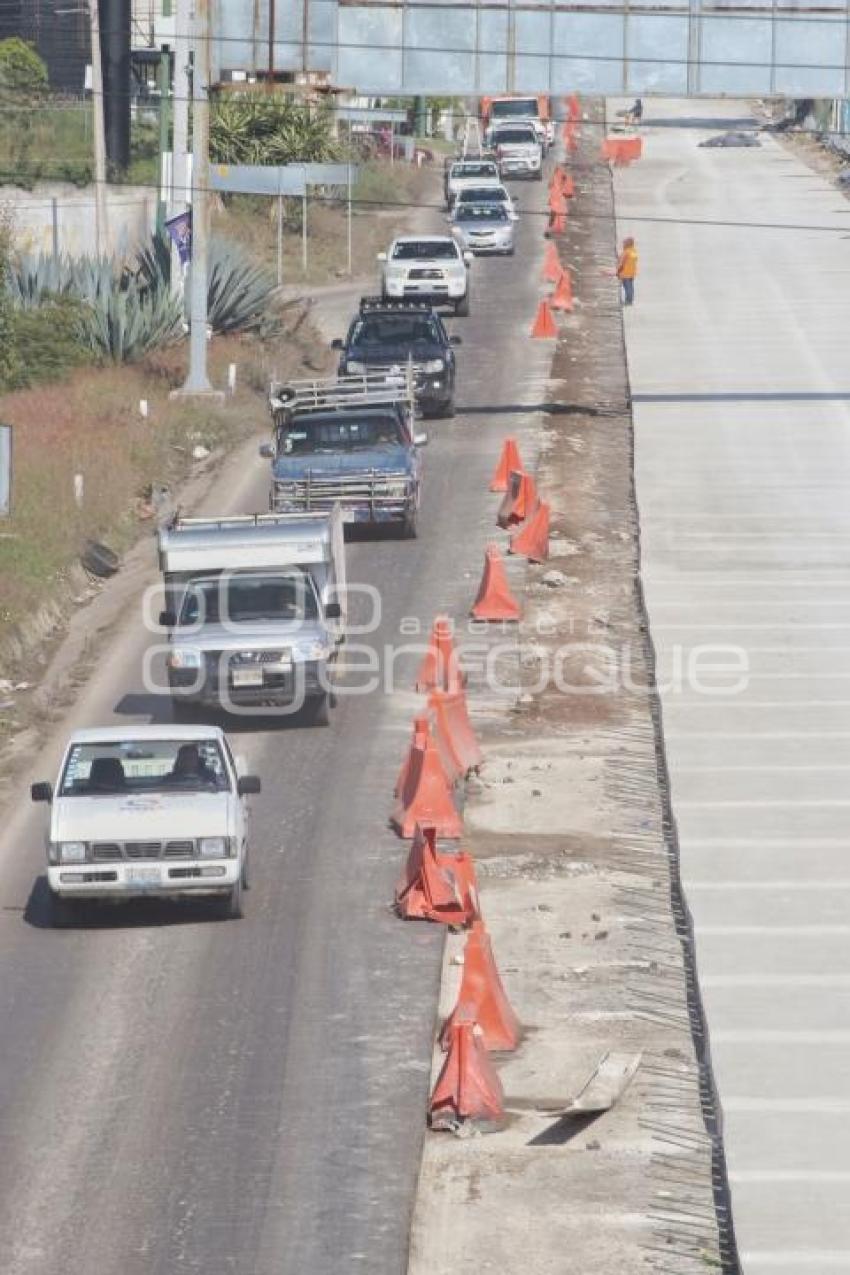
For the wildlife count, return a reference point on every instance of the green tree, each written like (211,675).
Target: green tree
(23,74)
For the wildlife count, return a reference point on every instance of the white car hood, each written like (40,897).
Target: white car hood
(153,816)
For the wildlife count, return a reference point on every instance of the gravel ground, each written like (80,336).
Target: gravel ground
(568,824)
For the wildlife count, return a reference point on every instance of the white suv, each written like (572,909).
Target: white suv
(147,811)
(426,268)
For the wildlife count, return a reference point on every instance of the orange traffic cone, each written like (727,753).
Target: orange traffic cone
(509,459)
(519,502)
(532,540)
(557,223)
(468,1088)
(426,797)
(572,142)
(574,107)
(544,323)
(568,186)
(439,665)
(495,600)
(451,722)
(434,886)
(551,274)
(421,728)
(562,297)
(482,994)
(557,202)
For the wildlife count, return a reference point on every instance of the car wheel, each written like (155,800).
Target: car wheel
(228,907)
(538,176)
(447,410)
(462,306)
(410,527)
(318,710)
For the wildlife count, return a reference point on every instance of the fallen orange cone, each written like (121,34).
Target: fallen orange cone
(468,1088)
(519,501)
(451,722)
(509,459)
(495,600)
(532,540)
(562,297)
(544,323)
(483,996)
(434,886)
(439,667)
(426,795)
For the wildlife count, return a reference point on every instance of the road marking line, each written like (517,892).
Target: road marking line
(780,1037)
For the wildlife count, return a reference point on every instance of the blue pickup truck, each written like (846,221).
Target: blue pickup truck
(350,441)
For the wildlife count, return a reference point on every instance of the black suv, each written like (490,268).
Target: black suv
(397,335)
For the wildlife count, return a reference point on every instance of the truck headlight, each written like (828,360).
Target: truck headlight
(184,657)
(314,651)
(434,365)
(214,847)
(72,851)
(354,368)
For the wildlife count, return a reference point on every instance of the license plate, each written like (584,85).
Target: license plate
(247,677)
(142,876)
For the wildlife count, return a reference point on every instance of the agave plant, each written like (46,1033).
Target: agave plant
(32,279)
(238,290)
(259,128)
(125,323)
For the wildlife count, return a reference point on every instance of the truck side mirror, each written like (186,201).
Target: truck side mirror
(267,451)
(167,619)
(333,611)
(382,256)
(337,343)
(455,340)
(420,440)
(41,792)
(248,785)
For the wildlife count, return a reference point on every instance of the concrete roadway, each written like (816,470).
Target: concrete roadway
(738,358)
(249,1098)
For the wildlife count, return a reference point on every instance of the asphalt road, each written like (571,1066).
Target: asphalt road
(738,362)
(249,1097)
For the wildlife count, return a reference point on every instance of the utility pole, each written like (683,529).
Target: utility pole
(164,85)
(101,228)
(180,144)
(270,84)
(197,381)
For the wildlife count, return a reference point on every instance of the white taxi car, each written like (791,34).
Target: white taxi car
(147,810)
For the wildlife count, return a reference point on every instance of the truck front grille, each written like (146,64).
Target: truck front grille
(118,851)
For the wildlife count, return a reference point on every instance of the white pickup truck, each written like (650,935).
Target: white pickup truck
(147,811)
(426,268)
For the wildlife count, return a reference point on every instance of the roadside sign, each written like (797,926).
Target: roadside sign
(5,470)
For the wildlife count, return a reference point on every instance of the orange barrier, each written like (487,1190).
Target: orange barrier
(482,994)
(468,1088)
(451,721)
(426,796)
(495,600)
(439,665)
(532,540)
(432,887)
(519,502)
(544,326)
(557,202)
(557,223)
(509,459)
(551,273)
(562,297)
(421,728)
(622,150)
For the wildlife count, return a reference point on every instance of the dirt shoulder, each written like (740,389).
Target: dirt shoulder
(570,832)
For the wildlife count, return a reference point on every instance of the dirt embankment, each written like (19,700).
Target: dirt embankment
(577,866)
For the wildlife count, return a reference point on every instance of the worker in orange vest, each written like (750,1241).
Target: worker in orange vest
(627,268)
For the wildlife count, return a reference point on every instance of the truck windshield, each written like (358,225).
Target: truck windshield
(137,766)
(395,329)
(249,599)
(425,250)
(515,137)
(519,107)
(344,433)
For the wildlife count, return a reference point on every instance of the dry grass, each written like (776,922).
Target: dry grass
(383,194)
(91,425)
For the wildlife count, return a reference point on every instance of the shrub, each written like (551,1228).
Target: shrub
(23,74)
(48,341)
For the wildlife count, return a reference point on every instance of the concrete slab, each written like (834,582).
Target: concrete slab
(741,387)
